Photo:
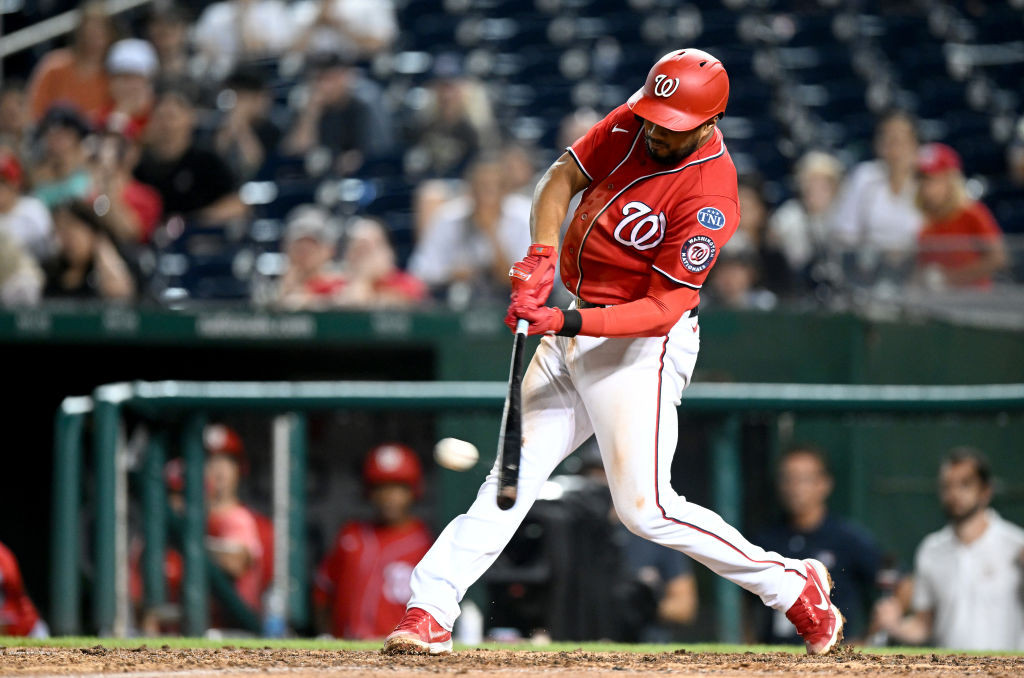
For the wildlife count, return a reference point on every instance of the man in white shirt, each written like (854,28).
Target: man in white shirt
(967,576)
(23,218)
(875,220)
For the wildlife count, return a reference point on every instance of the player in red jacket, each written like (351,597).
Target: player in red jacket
(18,616)
(659,201)
(362,585)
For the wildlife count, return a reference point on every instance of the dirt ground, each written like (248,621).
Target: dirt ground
(157,662)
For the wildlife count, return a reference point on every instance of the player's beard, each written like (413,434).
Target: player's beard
(661,154)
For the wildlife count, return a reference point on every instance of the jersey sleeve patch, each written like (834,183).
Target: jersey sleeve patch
(697,253)
(711,218)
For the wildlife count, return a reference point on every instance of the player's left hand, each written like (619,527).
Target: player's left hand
(543,319)
(534,276)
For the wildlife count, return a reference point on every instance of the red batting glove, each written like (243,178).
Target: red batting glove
(543,320)
(534,276)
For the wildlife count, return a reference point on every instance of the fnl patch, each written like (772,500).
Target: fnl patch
(711,218)
(697,254)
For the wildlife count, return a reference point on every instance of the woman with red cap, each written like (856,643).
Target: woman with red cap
(961,243)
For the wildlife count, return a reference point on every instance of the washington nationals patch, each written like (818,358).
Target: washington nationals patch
(697,254)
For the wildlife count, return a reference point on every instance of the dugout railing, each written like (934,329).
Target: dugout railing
(192,402)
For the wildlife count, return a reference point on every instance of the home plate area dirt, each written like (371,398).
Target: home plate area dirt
(146,661)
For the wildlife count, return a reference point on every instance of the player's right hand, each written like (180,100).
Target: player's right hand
(534,276)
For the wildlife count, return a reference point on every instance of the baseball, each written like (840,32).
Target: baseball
(455,454)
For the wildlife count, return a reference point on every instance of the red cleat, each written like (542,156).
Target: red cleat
(817,620)
(418,633)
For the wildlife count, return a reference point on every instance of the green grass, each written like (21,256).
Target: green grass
(317,644)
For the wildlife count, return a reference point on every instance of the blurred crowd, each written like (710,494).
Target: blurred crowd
(245,150)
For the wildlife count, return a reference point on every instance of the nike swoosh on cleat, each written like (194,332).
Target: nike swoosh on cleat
(616,128)
(821,594)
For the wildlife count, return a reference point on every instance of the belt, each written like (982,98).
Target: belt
(583,303)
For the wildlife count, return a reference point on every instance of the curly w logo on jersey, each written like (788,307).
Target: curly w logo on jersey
(697,254)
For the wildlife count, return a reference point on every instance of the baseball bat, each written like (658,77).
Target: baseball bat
(510,437)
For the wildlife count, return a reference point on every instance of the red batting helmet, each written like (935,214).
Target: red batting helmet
(221,439)
(685,89)
(393,463)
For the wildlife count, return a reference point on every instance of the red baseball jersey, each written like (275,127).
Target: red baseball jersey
(956,241)
(640,218)
(365,577)
(18,616)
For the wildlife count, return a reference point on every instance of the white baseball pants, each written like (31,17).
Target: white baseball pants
(626,392)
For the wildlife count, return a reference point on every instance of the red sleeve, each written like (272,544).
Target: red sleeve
(696,232)
(985,225)
(17,613)
(148,206)
(601,149)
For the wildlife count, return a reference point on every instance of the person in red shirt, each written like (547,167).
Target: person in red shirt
(131,65)
(232,533)
(372,279)
(311,280)
(362,585)
(133,209)
(961,245)
(18,616)
(659,201)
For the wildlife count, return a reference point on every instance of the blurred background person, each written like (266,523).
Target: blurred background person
(132,209)
(167,29)
(734,283)
(968,576)
(361,587)
(371,277)
(876,221)
(752,237)
(811,530)
(961,245)
(354,29)
(311,279)
(18,616)
(76,75)
(192,180)
(23,218)
(232,531)
(467,250)
(21,280)
(86,265)
(60,172)
(15,122)
(801,228)
(333,118)
(230,32)
(450,125)
(247,135)
(131,67)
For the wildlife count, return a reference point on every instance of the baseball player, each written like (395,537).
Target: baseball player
(659,202)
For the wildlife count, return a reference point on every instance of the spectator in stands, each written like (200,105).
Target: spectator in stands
(355,29)
(452,126)
(968,575)
(810,530)
(247,135)
(18,616)
(961,244)
(520,168)
(801,228)
(61,173)
(192,181)
(88,265)
(15,122)
(371,277)
(333,118)
(751,235)
(362,585)
(734,283)
(233,31)
(467,251)
(233,535)
(132,208)
(21,280)
(876,221)
(23,218)
(167,30)
(76,75)
(131,66)
(310,281)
